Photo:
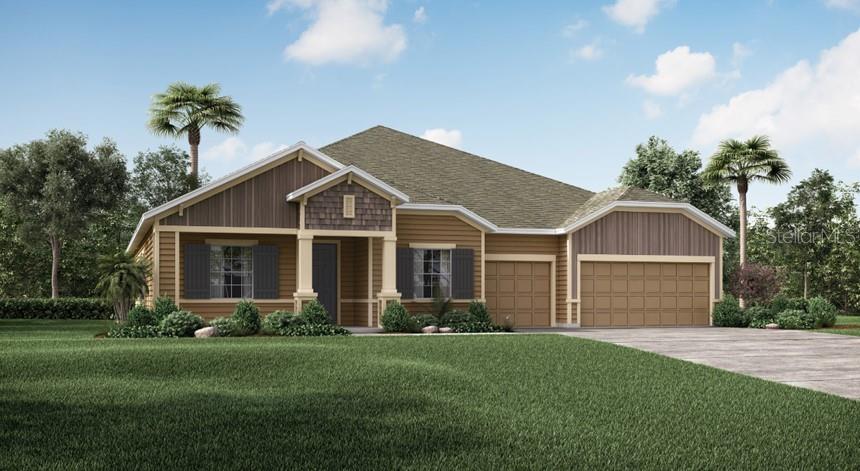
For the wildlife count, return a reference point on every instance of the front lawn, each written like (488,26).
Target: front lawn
(507,401)
(845,325)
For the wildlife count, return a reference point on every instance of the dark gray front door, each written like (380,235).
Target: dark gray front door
(325,277)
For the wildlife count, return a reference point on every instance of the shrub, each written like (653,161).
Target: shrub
(314,330)
(754,283)
(227,327)
(477,327)
(395,318)
(140,315)
(791,319)
(246,318)
(60,308)
(727,313)
(454,317)
(278,320)
(822,312)
(163,306)
(134,332)
(782,302)
(759,316)
(180,324)
(314,313)
(479,313)
(424,320)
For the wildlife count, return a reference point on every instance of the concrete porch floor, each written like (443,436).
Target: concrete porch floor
(819,361)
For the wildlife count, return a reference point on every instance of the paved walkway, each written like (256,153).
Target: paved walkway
(824,362)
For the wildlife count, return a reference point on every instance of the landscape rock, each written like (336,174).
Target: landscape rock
(446,330)
(772,326)
(206,332)
(430,329)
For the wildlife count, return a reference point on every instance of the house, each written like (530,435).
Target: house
(382,216)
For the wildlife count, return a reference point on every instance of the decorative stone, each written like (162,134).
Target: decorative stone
(430,329)
(772,326)
(206,332)
(446,330)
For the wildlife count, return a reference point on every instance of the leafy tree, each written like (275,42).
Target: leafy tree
(162,175)
(184,110)
(659,168)
(742,163)
(123,281)
(54,188)
(755,283)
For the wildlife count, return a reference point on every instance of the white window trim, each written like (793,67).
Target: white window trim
(349,206)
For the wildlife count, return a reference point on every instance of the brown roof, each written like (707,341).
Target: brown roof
(619,193)
(434,173)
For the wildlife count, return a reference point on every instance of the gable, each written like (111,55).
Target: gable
(325,210)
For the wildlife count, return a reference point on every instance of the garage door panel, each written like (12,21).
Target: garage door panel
(541,303)
(602,269)
(636,302)
(507,268)
(524,285)
(685,302)
(652,317)
(636,286)
(685,317)
(701,270)
(619,319)
(619,303)
(521,292)
(602,286)
(636,317)
(524,269)
(587,302)
(652,285)
(668,317)
(541,286)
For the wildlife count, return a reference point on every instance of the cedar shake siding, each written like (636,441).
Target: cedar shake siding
(257,202)
(325,209)
(647,233)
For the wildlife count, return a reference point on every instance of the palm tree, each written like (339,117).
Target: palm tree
(185,110)
(123,281)
(740,163)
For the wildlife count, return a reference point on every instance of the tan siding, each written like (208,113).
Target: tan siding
(210,310)
(429,229)
(643,233)
(561,281)
(144,251)
(522,244)
(167,264)
(257,202)
(377,276)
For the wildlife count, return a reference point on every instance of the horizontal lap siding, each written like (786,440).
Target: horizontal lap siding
(257,202)
(377,276)
(429,229)
(561,280)
(144,251)
(210,310)
(167,264)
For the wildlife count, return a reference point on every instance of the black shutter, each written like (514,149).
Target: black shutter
(197,271)
(404,272)
(462,273)
(265,272)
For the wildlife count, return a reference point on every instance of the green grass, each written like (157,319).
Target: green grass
(845,321)
(493,402)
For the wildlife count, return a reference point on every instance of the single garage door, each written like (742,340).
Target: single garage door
(620,294)
(519,291)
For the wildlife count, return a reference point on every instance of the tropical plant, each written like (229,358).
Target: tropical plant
(741,163)
(123,281)
(184,110)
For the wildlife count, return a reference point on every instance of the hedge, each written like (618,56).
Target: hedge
(61,308)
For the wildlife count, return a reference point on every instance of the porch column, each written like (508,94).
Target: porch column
(389,273)
(304,270)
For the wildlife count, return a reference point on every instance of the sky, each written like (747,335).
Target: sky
(564,89)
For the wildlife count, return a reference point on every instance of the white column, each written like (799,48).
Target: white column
(389,268)
(304,269)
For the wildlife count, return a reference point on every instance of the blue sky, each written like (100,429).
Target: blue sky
(565,89)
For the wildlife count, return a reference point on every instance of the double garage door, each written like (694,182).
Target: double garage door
(519,292)
(622,294)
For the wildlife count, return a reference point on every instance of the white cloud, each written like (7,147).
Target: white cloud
(346,32)
(420,15)
(589,52)
(804,104)
(843,4)
(634,13)
(275,5)
(740,51)
(651,109)
(676,71)
(570,30)
(234,148)
(854,161)
(448,137)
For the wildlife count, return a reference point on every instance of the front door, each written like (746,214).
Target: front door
(325,277)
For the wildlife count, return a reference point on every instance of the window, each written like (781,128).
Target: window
(348,206)
(231,272)
(432,272)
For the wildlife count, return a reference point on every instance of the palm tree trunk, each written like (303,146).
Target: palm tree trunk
(55,267)
(194,143)
(742,232)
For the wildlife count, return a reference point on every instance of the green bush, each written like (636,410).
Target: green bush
(823,312)
(424,320)
(60,308)
(134,332)
(479,313)
(227,327)
(477,327)
(314,330)
(314,313)
(162,307)
(180,324)
(395,318)
(791,319)
(454,317)
(782,303)
(279,320)
(140,315)
(759,316)
(246,317)
(727,313)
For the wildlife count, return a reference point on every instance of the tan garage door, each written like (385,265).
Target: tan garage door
(620,294)
(519,291)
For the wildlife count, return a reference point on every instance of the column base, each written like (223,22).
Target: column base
(300,298)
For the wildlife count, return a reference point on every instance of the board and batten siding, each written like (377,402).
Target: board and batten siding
(324,210)
(257,202)
(647,233)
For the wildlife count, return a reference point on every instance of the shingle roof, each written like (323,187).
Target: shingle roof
(507,196)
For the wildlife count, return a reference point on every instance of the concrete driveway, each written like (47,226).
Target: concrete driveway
(824,362)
